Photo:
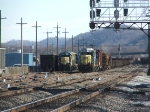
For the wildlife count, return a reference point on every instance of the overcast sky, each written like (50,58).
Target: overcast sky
(70,14)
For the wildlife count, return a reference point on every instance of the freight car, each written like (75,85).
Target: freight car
(2,60)
(49,63)
(67,61)
(106,61)
(118,62)
(89,60)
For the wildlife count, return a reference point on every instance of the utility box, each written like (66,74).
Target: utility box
(2,59)
(13,59)
(49,63)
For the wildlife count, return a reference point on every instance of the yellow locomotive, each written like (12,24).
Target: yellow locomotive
(67,61)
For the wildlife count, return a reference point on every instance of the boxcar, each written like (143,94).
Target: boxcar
(49,63)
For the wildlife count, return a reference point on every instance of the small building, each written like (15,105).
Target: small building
(15,59)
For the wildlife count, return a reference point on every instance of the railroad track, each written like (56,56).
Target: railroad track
(78,96)
(29,86)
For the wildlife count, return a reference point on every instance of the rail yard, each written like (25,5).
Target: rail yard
(90,74)
(109,90)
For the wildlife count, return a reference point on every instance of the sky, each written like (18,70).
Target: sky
(70,14)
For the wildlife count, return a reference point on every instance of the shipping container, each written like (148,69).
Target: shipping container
(49,63)
(2,59)
(13,59)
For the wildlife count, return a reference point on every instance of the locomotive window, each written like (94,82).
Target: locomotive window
(97,55)
(86,53)
(76,57)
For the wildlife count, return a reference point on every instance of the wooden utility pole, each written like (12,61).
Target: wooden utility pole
(36,42)
(72,43)
(57,37)
(21,43)
(78,44)
(0,28)
(65,40)
(47,41)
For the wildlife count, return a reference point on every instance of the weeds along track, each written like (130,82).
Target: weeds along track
(66,100)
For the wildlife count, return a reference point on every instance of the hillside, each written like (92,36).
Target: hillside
(104,39)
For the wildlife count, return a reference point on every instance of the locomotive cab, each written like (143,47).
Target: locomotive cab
(89,60)
(67,61)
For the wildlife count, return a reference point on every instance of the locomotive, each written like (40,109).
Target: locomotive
(89,60)
(67,61)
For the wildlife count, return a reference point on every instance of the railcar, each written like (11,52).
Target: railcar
(49,63)
(118,62)
(67,61)
(106,61)
(89,60)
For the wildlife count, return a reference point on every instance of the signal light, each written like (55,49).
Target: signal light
(98,12)
(116,25)
(116,3)
(92,25)
(92,1)
(91,14)
(125,12)
(97,1)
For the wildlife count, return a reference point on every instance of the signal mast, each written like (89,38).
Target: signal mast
(121,14)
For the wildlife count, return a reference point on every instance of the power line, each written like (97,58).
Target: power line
(65,39)
(21,43)
(57,37)
(47,41)
(36,42)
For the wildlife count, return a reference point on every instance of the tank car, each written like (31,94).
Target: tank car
(89,60)
(67,61)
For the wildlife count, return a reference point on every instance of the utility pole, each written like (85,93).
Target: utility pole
(36,43)
(52,47)
(65,40)
(16,46)
(0,27)
(21,44)
(72,43)
(83,41)
(57,37)
(78,44)
(47,41)
(86,44)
